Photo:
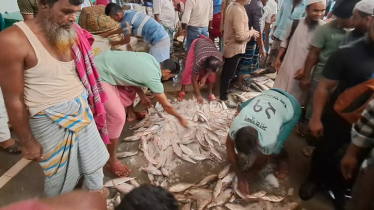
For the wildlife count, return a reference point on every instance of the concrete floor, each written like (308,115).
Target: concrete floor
(29,182)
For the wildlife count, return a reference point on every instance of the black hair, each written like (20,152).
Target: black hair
(213,63)
(112,9)
(172,65)
(73,2)
(344,8)
(307,7)
(148,197)
(246,140)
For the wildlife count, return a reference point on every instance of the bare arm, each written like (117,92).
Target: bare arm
(195,85)
(126,39)
(231,155)
(117,31)
(161,98)
(311,60)
(12,83)
(157,17)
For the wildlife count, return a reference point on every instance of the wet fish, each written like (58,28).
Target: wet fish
(124,188)
(210,142)
(165,172)
(134,183)
(213,137)
(126,154)
(152,170)
(203,116)
(215,152)
(241,98)
(258,194)
(117,181)
(117,200)
(224,172)
(163,157)
(180,187)
(273,198)
(187,158)
(186,150)
(187,206)
(200,157)
(182,198)
(202,196)
(221,199)
(207,180)
(177,149)
(151,178)
(148,157)
(217,188)
(223,105)
(254,86)
(200,139)
(235,188)
(132,138)
(164,184)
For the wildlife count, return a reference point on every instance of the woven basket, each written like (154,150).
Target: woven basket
(94,20)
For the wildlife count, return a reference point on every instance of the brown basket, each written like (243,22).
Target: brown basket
(94,20)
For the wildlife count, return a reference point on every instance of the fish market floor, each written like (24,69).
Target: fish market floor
(29,182)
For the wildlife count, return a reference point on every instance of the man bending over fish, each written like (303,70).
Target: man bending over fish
(203,61)
(259,132)
(123,73)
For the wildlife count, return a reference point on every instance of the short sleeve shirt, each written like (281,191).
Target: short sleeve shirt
(165,10)
(266,113)
(204,48)
(28,7)
(327,37)
(350,65)
(130,69)
(269,10)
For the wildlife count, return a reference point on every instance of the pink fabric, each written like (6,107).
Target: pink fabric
(102,2)
(90,78)
(28,205)
(119,97)
(187,74)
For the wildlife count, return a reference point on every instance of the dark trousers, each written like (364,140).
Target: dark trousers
(228,73)
(363,191)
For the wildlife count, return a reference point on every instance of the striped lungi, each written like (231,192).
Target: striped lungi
(249,61)
(72,146)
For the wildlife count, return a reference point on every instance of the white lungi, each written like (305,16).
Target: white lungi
(4,130)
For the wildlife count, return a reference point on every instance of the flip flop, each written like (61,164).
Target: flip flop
(138,116)
(181,95)
(118,168)
(14,149)
(212,97)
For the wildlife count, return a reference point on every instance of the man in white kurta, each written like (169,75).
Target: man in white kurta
(296,48)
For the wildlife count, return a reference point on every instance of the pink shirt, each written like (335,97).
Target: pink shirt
(102,2)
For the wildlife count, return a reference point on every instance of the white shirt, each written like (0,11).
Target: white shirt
(166,12)
(86,3)
(270,9)
(198,13)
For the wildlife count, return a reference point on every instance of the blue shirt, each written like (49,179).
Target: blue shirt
(217,6)
(285,17)
(143,25)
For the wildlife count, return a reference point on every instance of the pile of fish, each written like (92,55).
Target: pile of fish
(260,83)
(164,141)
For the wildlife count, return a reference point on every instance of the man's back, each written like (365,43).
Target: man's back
(198,13)
(130,69)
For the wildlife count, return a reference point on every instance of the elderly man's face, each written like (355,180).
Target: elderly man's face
(63,13)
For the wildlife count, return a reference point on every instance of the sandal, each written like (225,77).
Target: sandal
(308,151)
(243,88)
(181,95)
(138,116)
(118,168)
(212,97)
(16,148)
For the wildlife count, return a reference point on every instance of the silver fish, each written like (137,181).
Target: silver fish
(151,170)
(210,142)
(117,200)
(132,138)
(124,188)
(241,98)
(134,183)
(258,194)
(235,188)
(221,199)
(200,157)
(158,141)
(257,88)
(273,198)
(215,152)
(176,148)
(202,196)
(151,178)
(143,142)
(182,199)
(186,150)
(148,157)
(187,158)
(202,116)
(126,154)
(117,181)
(224,107)
(164,184)
(163,157)
(224,172)
(207,180)
(165,172)
(232,199)
(217,188)
(180,187)
(213,137)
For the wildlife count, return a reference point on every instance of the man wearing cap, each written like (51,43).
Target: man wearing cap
(295,49)
(360,17)
(123,73)
(326,40)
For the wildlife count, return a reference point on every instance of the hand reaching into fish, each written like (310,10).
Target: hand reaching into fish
(200,99)
(146,102)
(243,184)
(203,81)
(183,122)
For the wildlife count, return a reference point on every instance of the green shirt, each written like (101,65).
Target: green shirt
(327,37)
(130,69)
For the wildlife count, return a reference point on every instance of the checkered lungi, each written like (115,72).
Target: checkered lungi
(249,61)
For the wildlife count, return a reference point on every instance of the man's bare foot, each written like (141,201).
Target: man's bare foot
(11,146)
(118,169)
(282,169)
(136,116)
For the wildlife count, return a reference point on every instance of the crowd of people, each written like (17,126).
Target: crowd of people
(68,108)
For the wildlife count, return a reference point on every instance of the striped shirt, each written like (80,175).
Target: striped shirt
(204,48)
(143,25)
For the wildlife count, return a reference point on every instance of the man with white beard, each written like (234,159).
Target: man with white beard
(54,96)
